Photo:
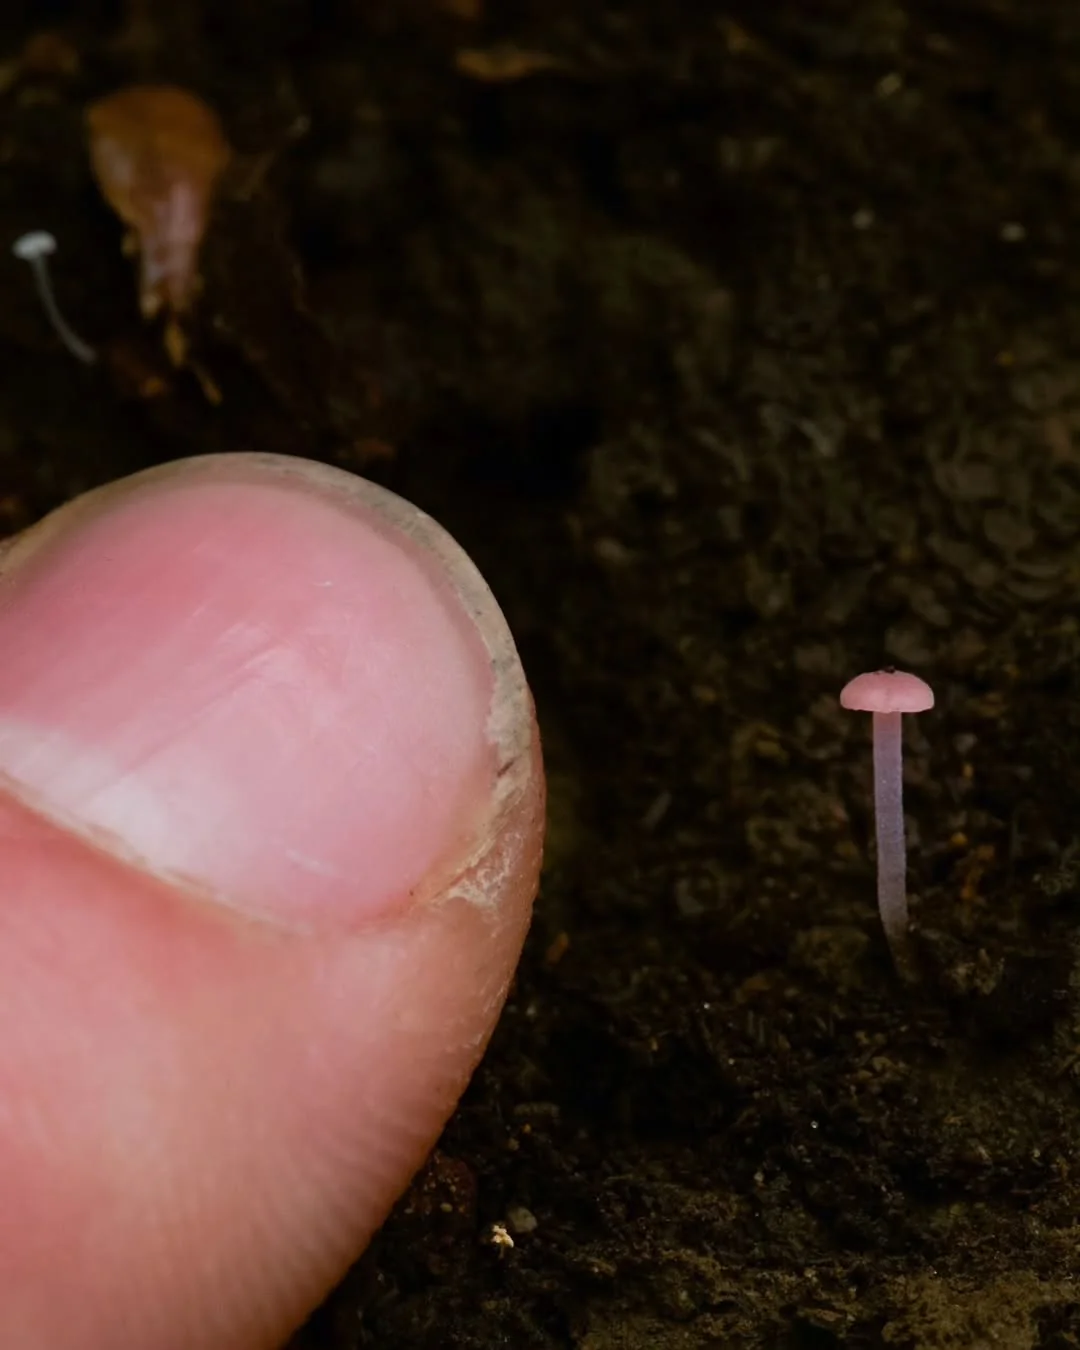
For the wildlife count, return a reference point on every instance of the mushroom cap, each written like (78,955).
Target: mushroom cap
(887,691)
(36,244)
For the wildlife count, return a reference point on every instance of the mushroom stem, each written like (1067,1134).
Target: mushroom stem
(889,826)
(67,335)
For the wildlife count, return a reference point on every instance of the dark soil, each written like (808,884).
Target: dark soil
(740,346)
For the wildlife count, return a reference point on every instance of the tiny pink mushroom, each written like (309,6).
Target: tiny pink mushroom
(888,694)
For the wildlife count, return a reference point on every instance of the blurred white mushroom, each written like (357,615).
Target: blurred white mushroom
(34,248)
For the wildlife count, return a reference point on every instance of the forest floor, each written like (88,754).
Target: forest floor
(740,346)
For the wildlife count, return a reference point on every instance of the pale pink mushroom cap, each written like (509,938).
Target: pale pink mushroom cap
(887,691)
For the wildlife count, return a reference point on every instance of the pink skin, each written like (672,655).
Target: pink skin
(271,810)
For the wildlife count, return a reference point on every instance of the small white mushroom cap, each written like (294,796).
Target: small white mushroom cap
(36,244)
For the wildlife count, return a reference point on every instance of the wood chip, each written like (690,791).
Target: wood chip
(503,64)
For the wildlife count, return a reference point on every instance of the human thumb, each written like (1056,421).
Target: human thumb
(271,808)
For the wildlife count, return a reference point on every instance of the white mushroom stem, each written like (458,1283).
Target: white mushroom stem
(889,826)
(35,248)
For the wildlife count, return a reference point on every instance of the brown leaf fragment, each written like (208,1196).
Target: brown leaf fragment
(503,64)
(158,153)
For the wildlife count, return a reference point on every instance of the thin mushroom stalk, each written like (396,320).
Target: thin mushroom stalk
(889,827)
(888,694)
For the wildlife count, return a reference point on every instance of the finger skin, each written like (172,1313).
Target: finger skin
(207,1103)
